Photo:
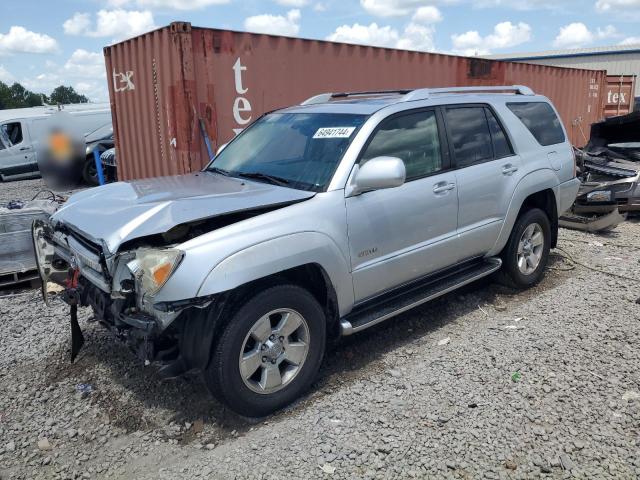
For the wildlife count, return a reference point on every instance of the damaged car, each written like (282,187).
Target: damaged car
(609,170)
(317,221)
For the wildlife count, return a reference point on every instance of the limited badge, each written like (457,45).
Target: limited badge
(334,132)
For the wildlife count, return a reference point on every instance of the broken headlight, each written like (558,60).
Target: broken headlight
(153,267)
(599,196)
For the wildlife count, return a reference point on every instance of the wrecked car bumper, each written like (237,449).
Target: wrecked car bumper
(74,269)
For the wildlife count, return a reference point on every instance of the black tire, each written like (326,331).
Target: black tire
(511,275)
(90,172)
(223,377)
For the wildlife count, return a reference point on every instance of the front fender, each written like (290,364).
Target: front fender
(531,183)
(279,254)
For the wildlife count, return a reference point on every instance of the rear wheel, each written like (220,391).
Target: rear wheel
(527,251)
(270,351)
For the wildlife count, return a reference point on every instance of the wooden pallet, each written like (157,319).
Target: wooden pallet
(10,279)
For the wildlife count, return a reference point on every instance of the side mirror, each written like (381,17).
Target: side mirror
(220,148)
(376,174)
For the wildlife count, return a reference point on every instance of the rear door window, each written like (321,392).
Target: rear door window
(501,146)
(540,120)
(469,135)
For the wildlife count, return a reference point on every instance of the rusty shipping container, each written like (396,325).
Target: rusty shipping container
(619,95)
(162,83)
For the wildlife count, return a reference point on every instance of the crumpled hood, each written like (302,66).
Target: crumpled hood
(122,211)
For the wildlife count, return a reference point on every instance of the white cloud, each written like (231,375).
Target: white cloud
(366,35)
(417,37)
(320,7)
(522,4)
(397,8)
(117,24)
(413,37)
(427,15)
(288,25)
(293,3)
(5,75)
(616,6)
(630,41)
(21,40)
(167,4)
(505,35)
(78,24)
(85,64)
(575,35)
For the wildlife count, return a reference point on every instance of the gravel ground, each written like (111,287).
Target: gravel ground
(484,382)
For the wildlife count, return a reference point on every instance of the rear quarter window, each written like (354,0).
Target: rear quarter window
(540,120)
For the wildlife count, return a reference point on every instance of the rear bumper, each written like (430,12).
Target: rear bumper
(567,192)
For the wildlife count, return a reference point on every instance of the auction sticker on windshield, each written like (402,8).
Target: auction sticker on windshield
(334,132)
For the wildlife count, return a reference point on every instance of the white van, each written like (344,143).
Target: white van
(22,129)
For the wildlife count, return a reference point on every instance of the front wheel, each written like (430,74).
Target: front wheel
(270,351)
(527,251)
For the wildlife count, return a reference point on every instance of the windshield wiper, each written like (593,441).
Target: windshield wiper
(263,176)
(221,171)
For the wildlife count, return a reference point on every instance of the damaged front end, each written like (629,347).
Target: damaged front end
(609,170)
(119,289)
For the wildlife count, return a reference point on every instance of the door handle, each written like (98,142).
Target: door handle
(443,187)
(509,169)
(24,149)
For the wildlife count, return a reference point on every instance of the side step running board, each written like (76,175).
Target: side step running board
(435,288)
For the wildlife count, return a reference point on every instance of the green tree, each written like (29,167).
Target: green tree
(64,94)
(16,96)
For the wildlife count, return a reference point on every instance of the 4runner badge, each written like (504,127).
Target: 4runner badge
(367,252)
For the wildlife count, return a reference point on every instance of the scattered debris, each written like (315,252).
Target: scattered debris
(630,395)
(444,341)
(43,444)
(330,469)
(510,465)
(84,389)
(516,376)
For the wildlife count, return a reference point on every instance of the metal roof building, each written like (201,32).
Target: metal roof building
(616,60)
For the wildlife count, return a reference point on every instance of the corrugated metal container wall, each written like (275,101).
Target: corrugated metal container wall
(619,95)
(618,63)
(162,83)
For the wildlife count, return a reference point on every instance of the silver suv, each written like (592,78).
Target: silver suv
(317,221)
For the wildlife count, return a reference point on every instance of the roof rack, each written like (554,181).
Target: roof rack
(326,97)
(409,95)
(425,93)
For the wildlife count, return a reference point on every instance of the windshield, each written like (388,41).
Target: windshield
(100,133)
(298,150)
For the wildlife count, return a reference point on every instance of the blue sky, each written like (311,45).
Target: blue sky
(45,44)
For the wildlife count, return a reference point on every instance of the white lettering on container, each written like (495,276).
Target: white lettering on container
(122,81)
(240,104)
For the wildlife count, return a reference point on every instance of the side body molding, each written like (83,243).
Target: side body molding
(533,182)
(279,254)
